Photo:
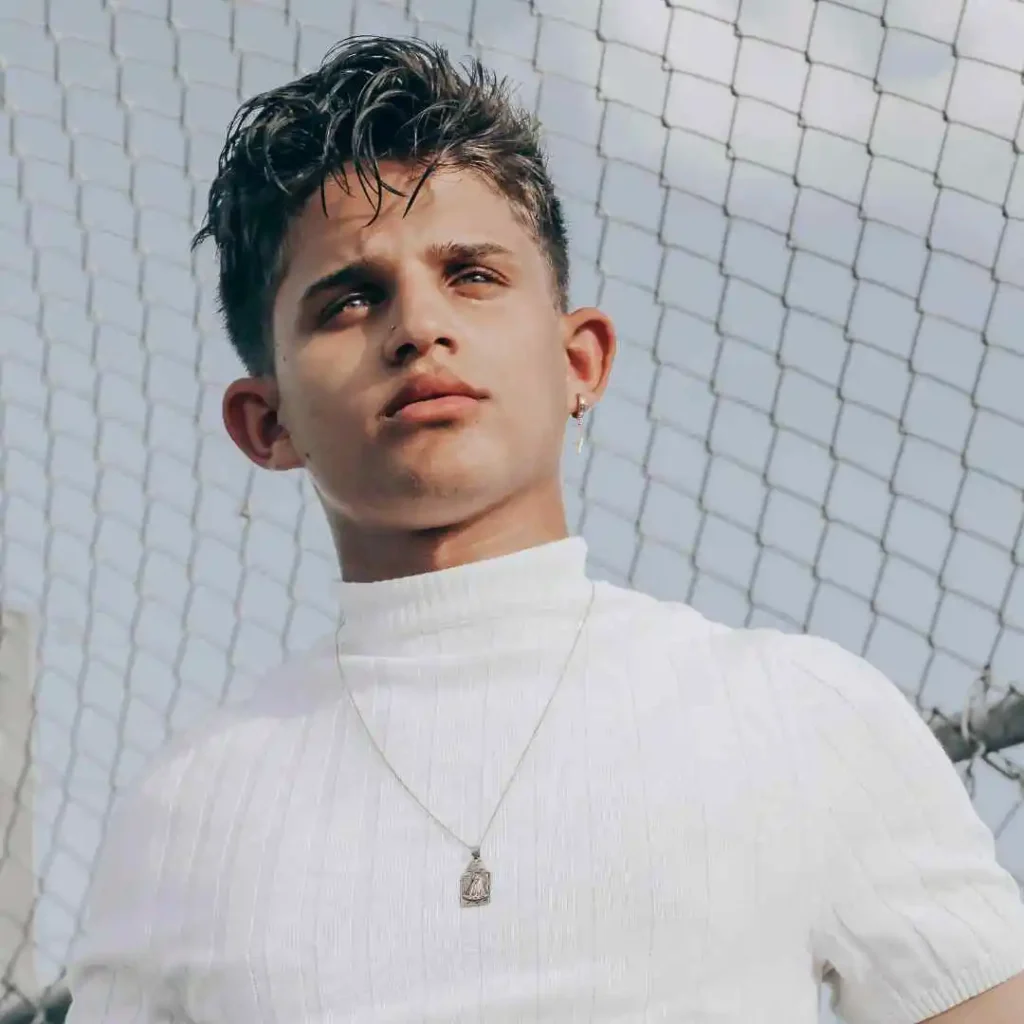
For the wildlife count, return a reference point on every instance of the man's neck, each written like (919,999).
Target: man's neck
(368,555)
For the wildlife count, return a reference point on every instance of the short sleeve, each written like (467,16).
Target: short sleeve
(916,914)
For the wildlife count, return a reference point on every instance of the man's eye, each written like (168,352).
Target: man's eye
(475,275)
(353,303)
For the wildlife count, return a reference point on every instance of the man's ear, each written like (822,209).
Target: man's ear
(251,412)
(590,349)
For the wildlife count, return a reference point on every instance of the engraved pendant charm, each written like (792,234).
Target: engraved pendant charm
(475,883)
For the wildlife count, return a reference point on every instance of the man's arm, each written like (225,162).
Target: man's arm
(119,970)
(916,918)
(109,993)
(1003,1004)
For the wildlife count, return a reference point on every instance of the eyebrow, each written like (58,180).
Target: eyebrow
(441,252)
(465,252)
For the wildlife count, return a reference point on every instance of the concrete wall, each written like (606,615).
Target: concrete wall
(17,877)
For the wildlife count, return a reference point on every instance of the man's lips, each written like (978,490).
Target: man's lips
(443,407)
(434,394)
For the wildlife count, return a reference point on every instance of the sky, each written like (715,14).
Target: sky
(808,227)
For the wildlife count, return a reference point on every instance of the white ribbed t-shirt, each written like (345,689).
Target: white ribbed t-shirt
(708,822)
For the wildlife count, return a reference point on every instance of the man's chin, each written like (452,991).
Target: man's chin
(438,506)
(431,486)
(439,467)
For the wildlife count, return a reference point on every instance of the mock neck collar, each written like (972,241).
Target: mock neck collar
(543,579)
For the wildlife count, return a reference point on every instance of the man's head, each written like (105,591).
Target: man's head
(388,222)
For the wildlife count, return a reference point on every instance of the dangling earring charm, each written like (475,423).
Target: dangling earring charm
(578,415)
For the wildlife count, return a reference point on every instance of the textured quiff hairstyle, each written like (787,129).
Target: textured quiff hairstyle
(373,99)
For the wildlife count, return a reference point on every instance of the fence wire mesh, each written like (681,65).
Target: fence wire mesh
(807,219)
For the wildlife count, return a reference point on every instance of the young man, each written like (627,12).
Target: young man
(501,792)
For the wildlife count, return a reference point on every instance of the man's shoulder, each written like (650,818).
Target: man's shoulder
(654,617)
(276,704)
(802,660)
(675,623)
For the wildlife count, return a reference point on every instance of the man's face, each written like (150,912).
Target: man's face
(454,290)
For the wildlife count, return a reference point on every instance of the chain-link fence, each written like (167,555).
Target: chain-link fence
(805,216)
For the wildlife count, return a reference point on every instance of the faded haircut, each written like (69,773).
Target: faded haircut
(373,99)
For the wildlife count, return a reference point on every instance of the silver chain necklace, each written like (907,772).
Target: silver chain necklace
(475,881)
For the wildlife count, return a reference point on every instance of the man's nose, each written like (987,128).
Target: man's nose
(419,321)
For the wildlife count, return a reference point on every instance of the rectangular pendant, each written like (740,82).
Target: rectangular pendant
(475,883)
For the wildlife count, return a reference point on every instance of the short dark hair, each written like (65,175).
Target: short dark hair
(372,99)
